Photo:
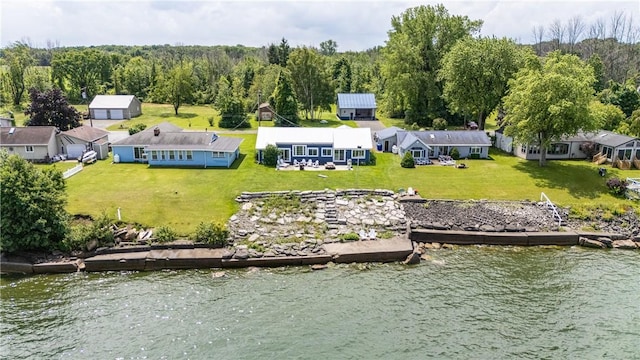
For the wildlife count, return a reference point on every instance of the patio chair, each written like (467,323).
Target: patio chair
(295,162)
(373,234)
(363,234)
(316,164)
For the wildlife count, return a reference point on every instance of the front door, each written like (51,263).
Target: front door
(339,155)
(386,146)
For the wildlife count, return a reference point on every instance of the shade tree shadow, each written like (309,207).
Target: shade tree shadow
(578,179)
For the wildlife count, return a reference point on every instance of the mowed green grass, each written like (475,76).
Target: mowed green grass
(182,198)
(196,117)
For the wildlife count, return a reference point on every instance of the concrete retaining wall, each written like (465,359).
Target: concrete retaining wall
(488,238)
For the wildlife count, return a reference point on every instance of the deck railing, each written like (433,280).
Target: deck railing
(551,206)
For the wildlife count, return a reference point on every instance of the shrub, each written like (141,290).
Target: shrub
(372,159)
(589,148)
(165,234)
(350,237)
(211,233)
(81,234)
(454,153)
(439,124)
(136,128)
(210,121)
(408,161)
(270,155)
(617,186)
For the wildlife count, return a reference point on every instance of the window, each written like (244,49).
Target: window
(534,149)
(172,155)
(180,155)
(28,148)
(138,153)
(154,155)
(189,155)
(312,151)
(475,150)
(162,155)
(339,155)
(217,154)
(558,149)
(624,154)
(416,153)
(327,152)
(285,153)
(299,150)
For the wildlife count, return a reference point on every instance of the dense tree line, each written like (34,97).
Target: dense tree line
(433,66)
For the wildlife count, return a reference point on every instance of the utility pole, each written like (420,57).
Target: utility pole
(259,114)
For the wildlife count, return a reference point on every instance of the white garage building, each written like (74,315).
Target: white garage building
(114,107)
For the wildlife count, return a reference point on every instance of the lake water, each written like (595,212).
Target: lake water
(472,302)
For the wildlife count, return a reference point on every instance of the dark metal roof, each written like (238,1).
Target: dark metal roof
(86,133)
(30,135)
(357,101)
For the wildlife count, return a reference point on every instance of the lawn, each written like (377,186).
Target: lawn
(196,117)
(182,198)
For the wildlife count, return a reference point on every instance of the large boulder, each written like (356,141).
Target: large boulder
(591,243)
(625,244)
(412,259)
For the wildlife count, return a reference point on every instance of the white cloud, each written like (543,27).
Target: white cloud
(354,25)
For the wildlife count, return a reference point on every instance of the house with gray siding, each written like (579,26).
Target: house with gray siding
(429,144)
(614,146)
(339,145)
(33,143)
(356,107)
(167,145)
(114,107)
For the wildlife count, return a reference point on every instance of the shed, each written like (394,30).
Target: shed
(356,106)
(265,112)
(114,107)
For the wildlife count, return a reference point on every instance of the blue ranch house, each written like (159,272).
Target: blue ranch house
(337,145)
(167,145)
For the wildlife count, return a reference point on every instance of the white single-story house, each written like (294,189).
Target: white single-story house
(356,106)
(337,145)
(76,141)
(33,143)
(167,145)
(433,143)
(114,107)
(613,146)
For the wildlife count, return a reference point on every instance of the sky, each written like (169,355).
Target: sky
(354,24)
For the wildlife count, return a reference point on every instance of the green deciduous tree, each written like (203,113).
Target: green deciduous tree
(311,81)
(177,86)
(87,69)
(607,115)
(476,72)
(548,101)
(634,124)
(284,102)
(18,59)
(50,108)
(418,40)
(232,114)
(136,77)
(33,206)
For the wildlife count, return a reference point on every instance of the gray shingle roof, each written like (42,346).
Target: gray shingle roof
(86,133)
(612,139)
(30,135)
(448,137)
(357,101)
(186,140)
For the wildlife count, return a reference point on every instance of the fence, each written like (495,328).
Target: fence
(74,170)
(550,205)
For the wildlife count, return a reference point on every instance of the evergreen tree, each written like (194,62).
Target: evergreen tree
(285,102)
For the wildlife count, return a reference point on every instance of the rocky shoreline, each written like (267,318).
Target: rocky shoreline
(299,224)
